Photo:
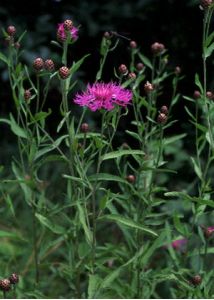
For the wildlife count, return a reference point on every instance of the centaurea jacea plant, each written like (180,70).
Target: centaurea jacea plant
(104,97)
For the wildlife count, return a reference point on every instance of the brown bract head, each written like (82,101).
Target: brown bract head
(11,30)
(64,72)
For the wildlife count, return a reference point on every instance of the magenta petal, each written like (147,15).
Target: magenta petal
(103,96)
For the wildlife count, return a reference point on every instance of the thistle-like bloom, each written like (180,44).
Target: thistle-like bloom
(62,34)
(178,245)
(103,96)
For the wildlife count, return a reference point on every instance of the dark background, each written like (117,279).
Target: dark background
(176,23)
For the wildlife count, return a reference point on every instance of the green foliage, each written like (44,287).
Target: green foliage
(85,216)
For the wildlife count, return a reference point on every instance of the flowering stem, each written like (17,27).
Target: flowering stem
(38,92)
(94,188)
(160,149)
(65,51)
(66,110)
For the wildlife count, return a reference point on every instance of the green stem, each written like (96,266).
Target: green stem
(66,110)
(94,189)
(38,92)
(36,259)
(160,150)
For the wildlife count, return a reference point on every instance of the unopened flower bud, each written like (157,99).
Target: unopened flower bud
(196,280)
(38,64)
(68,24)
(132,75)
(84,127)
(27,94)
(11,30)
(123,69)
(157,48)
(139,66)
(125,146)
(208,231)
(196,94)
(64,72)
(107,35)
(5,285)
(131,178)
(49,65)
(164,110)
(177,70)
(162,118)
(148,87)
(209,95)
(206,3)
(14,278)
(133,44)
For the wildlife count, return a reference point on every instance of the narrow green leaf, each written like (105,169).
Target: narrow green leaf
(50,225)
(169,242)
(209,39)
(197,168)
(50,147)
(94,281)
(134,135)
(209,50)
(173,139)
(179,226)
(119,153)
(40,116)
(26,189)
(17,130)
(107,281)
(198,83)
(160,241)
(128,222)
(190,114)
(87,231)
(76,65)
(189,99)
(3,58)
(63,121)
(175,100)
(21,36)
(77,179)
(10,204)
(8,234)
(106,177)
(145,60)
(182,195)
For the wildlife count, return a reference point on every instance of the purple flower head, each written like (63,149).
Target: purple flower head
(61,33)
(178,245)
(208,232)
(211,229)
(103,96)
